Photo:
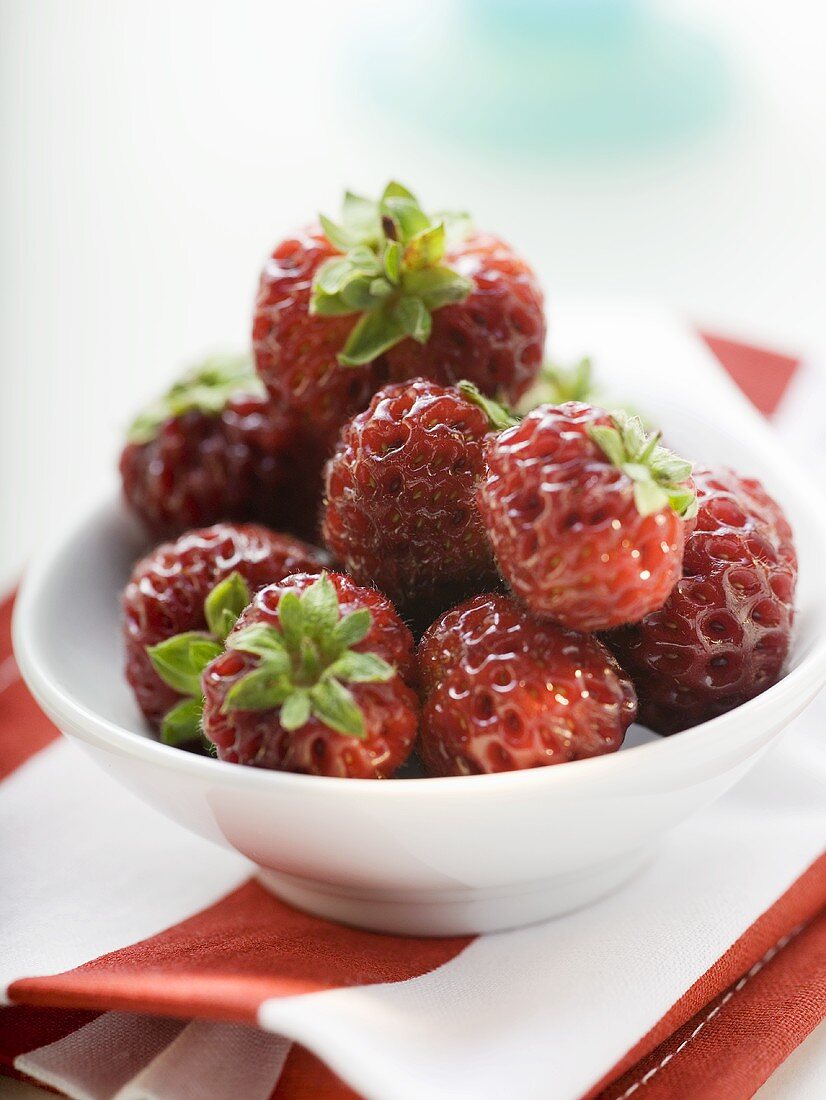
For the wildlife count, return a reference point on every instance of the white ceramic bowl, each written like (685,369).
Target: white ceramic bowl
(454,855)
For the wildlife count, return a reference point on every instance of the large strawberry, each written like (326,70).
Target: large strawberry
(392,293)
(723,635)
(400,508)
(180,603)
(314,679)
(214,447)
(586,515)
(503,691)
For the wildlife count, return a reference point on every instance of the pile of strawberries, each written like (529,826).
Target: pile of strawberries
(564,571)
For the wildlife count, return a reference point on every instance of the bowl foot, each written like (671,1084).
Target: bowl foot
(456,912)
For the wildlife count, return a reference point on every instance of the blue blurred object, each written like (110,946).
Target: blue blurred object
(571,77)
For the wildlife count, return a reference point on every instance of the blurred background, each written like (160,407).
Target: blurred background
(154,152)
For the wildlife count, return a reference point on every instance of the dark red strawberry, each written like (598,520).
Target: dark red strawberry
(315,679)
(400,510)
(504,690)
(723,635)
(392,293)
(288,465)
(586,515)
(216,448)
(169,594)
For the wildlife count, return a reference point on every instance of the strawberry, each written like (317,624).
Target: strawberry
(586,515)
(178,605)
(723,634)
(296,351)
(400,510)
(504,690)
(392,293)
(314,680)
(215,448)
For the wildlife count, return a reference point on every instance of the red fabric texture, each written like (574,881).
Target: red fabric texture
(25,1029)
(734,1044)
(224,961)
(24,728)
(762,375)
(304,1077)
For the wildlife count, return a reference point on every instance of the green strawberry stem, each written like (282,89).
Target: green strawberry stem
(205,388)
(499,415)
(180,660)
(391,273)
(555,385)
(660,477)
(182,723)
(304,666)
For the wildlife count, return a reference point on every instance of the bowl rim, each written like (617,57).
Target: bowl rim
(782,700)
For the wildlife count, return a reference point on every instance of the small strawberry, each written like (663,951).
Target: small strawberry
(723,634)
(400,510)
(178,604)
(586,515)
(288,465)
(392,293)
(213,448)
(314,680)
(504,691)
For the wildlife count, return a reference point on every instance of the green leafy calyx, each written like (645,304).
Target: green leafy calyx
(660,477)
(555,385)
(182,723)
(225,603)
(304,666)
(205,388)
(390,271)
(180,660)
(499,415)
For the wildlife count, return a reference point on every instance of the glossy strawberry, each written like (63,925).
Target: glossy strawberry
(503,691)
(168,590)
(400,510)
(215,448)
(392,293)
(296,351)
(314,679)
(586,515)
(723,635)
(495,338)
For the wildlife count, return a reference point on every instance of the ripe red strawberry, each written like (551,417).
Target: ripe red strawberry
(215,448)
(296,352)
(586,515)
(177,591)
(400,511)
(504,690)
(288,465)
(392,293)
(723,635)
(314,680)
